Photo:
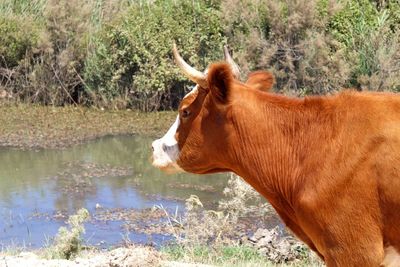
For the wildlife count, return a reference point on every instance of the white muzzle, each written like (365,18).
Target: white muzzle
(166,150)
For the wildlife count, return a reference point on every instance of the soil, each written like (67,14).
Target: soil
(133,256)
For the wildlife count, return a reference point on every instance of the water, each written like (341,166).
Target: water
(38,189)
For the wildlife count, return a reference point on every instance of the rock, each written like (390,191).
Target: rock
(275,247)
(264,235)
(123,257)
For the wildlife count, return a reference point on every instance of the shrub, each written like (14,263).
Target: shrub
(371,38)
(68,242)
(319,46)
(18,36)
(55,73)
(53,60)
(241,200)
(117,54)
(133,56)
(293,44)
(247,28)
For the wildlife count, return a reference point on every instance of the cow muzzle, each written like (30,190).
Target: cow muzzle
(165,156)
(166,150)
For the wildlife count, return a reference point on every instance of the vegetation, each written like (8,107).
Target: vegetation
(217,237)
(116,54)
(131,59)
(68,242)
(226,256)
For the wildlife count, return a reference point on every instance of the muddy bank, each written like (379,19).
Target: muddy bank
(32,127)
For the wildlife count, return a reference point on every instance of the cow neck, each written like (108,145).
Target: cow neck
(274,139)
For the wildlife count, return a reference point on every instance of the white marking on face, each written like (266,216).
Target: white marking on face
(392,257)
(166,149)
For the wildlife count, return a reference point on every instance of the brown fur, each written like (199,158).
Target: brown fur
(330,166)
(261,80)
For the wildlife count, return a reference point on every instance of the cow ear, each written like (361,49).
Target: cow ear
(220,79)
(261,80)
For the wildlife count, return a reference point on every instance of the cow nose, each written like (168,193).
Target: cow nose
(153,145)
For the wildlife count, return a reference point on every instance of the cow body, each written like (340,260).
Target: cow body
(330,166)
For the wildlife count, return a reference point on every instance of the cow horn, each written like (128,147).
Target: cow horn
(191,73)
(234,67)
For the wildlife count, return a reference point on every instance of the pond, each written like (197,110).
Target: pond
(39,189)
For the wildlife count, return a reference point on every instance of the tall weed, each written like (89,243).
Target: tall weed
(68,242)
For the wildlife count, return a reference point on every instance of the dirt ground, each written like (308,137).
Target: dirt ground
(134,256)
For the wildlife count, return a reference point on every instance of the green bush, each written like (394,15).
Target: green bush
(132,56)
(370,36)
(247,27)
(18,36)
(354,19)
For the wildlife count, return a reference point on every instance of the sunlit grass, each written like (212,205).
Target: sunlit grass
(235,256)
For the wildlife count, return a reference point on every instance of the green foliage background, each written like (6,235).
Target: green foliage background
(117,54)
(132,56)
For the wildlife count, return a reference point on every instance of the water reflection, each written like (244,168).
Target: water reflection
(112,172)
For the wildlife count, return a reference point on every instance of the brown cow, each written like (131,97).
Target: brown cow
(330,166)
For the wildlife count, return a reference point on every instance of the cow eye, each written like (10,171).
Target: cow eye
(185,113)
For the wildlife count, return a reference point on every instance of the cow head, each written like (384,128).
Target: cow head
(198,141)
